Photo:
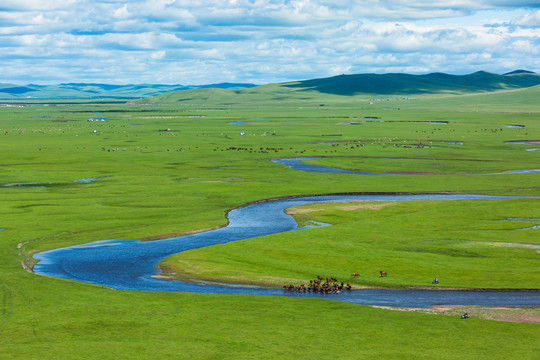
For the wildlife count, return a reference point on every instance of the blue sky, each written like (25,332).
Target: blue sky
(260,41)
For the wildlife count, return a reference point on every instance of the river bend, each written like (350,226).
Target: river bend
(130,265)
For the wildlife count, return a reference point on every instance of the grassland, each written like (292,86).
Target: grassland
(464,243)
(174,164)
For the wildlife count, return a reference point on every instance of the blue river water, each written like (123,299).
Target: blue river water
(299,164)
(132,264)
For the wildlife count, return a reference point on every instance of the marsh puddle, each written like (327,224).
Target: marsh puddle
(101,119)
(507,245)
(95,178)
(522,219)
(523,142)
(31,185)
(534,227)
(92,179)
(392,121)
(511,172)
(313,224)
(299,164)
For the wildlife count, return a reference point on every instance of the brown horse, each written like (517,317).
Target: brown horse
(383,273)
(355,274)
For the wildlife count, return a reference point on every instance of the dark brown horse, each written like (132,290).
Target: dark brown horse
(383,273)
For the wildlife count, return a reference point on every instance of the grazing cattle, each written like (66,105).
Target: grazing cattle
(383,273)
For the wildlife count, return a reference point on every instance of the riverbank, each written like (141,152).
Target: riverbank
(516,314)
(277,283)
(374,235)
(129,265)
(525,314)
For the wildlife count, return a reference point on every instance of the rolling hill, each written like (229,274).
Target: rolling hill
(93,91)
(394,84)
(361,87)
(332,89)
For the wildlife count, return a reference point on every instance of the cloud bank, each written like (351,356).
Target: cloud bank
(260,41)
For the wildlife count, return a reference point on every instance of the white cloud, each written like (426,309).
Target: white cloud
(196,41)
(529,19)
(158,55)
(32,5)
(121,12)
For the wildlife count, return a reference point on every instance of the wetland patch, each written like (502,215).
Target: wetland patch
(299,164)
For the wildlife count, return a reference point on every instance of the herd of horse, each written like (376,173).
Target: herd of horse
(320,285)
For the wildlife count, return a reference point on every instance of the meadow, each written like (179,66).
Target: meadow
(174,164)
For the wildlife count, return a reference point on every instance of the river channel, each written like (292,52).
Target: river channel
(132,264)
(299,164)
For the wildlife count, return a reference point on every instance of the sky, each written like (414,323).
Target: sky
(195,42)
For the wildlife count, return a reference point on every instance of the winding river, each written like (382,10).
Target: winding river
(132,265)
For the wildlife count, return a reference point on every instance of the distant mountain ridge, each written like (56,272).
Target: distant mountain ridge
(341,85)
(519,72)
(94,90)
(393,84)
(367,86)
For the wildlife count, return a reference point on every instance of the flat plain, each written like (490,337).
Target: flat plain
(174,164)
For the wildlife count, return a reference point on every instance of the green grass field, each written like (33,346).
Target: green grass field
(464,243)
(173,164)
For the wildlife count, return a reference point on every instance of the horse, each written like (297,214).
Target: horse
(355,274)
(383,273)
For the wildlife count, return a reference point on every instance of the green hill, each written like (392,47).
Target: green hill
(394,84)
(94,91)
(519,100)
(346,88)
(334,90)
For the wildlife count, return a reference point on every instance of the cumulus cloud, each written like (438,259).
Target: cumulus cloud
(203,41)
(531,19)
